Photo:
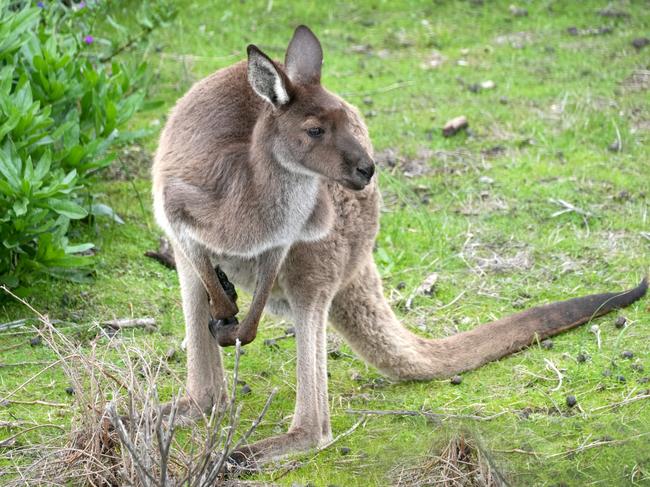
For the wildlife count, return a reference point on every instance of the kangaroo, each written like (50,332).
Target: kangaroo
(264,172)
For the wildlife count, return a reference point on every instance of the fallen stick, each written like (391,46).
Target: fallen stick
(146,323)
(164,254)
(454,126)
(426,414)
(14,324)
(38,402)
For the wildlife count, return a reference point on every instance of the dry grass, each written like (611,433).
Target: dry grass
(119,434)
(460,462)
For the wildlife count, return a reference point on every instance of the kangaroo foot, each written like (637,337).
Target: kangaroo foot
(250,458)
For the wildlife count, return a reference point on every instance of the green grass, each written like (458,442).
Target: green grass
(558,104)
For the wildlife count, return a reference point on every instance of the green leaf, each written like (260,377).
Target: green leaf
(69,209)
(100,209)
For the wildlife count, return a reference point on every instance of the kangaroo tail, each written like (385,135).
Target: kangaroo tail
(364,318)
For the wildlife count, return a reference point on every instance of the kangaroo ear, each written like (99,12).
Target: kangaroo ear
(265,78)
(304,57)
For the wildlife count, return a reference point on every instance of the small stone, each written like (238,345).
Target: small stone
(627,354)
(582,357)
(640,42)
(644,380)
(620,322)
(400,285)
(486,180)
(456,380)
(637,367)
(271,342)
(614,146)
(488,85)
(620,378)
(69,390)
(516,11)
(547,344)
(368,101)
(344,450)
(571,401)
(291,331)
(246,389)
(607,373)
(504,100)
(36,341)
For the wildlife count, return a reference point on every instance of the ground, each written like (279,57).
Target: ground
(544,197)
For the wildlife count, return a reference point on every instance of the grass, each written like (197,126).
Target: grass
(482,217)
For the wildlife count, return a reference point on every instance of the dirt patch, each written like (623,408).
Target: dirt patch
(497,257)
(481,203)
(517,40)
(132,162)
(639,80)
(428,161)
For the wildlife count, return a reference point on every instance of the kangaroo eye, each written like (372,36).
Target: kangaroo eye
(315,132)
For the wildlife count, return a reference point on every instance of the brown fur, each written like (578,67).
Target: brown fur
(218,175)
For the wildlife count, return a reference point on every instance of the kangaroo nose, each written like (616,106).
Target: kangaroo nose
(367,171)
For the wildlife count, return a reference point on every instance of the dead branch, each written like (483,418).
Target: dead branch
(38,402)
(148,324)
(426,414)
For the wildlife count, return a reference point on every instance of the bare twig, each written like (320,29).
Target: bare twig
(596,444)
(40,403)
(621,403)
(146,323)
(7,441)
(385,89)
(15,323)
(426,414)
(560,377)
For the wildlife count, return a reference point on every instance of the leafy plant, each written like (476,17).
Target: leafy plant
(64,102)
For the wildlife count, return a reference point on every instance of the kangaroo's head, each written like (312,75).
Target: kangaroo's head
(303,126)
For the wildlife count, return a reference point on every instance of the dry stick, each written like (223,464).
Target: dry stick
(434,416)
(164,440)
(621,403)
(552,366)
(20,364)
(13,347)
(46,321)
(596,444)
(234,413)
(257,421)
(453,301)
(385,89)
(40,403)
(141,471)
(15,323)
(27,430)
(56,362)
(130,323)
